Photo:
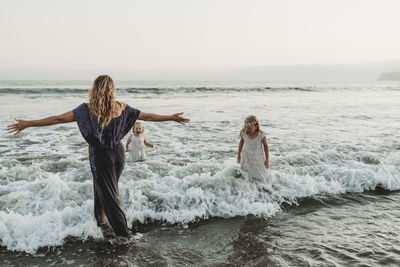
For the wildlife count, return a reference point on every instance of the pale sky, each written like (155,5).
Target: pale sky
(204,34)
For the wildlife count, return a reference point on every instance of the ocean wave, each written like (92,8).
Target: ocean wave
(207,89)
(331,143)
(42,91)
(33,196)
(147,90)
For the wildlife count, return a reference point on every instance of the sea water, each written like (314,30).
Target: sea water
(331,146)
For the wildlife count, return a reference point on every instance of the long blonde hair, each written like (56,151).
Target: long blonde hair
(253,120)
(102,99)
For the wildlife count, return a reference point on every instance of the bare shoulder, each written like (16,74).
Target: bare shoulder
(264,138)
(123,105)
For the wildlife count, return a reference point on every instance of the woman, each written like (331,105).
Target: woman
(103,122)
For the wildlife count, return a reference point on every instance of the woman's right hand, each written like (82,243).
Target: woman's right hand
(155,117)
(178,118)
(18,127)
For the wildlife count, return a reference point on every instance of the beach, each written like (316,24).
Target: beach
(331,201)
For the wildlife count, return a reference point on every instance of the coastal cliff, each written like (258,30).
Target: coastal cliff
(389,76)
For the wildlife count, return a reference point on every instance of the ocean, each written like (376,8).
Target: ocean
(334,165)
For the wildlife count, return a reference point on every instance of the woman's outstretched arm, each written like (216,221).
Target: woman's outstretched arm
(155,117)
(22,124)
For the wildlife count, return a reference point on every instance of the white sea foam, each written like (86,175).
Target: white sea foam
(316,145)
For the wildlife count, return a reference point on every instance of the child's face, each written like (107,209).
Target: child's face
(138,129)
(250,128)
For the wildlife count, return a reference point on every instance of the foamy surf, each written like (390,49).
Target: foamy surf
(322,142)
(40,217)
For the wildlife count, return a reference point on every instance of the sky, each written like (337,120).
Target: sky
(50,36)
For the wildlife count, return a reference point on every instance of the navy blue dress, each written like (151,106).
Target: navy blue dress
(107,160)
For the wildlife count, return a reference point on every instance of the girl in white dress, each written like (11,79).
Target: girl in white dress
(253,154)
(136,143)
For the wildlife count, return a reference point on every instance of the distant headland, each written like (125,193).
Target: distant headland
(389,76)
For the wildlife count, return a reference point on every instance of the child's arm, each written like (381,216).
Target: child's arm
(155,117)
(147,143)
(266,151)
(241,143)
(127,143)
(23,124)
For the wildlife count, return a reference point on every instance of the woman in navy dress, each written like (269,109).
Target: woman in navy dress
(103,122)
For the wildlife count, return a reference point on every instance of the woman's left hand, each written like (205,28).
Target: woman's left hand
(178,118)
(17,127)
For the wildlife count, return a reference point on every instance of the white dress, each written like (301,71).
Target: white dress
(253,157)
(136,149)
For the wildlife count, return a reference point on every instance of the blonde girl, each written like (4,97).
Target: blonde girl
(136,143)
(253,153)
